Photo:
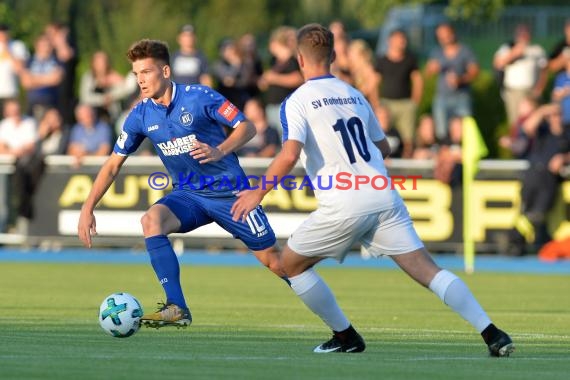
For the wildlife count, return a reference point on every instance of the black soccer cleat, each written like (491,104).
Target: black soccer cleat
(501,345)
(346,341)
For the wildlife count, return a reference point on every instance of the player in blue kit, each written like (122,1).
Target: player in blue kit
(184,124)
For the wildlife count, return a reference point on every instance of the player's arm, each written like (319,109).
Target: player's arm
(244,132)
(384,147)
(377,134)
(240,135)
(223,112)
(86,226)
(280,167)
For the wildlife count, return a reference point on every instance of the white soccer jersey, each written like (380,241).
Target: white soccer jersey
(338,128)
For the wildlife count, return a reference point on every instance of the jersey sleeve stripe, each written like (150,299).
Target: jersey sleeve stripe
(283,118)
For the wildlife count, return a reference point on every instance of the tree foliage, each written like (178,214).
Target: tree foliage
(112,25)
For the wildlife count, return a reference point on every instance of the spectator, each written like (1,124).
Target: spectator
(392,134)
(364,77)
(525,70)
(65,52)
(89,136)
(283,77)
(253,68)
(18,137)
(42,78)
(228,71)
(189,64)
(456,67)
(50,138)
(448,163)
(541,181)
(53,134)
(266,141)
(561,93)
(103,88)
(517,141)
(560,55)
(402,86)
(426,146)
(13,57)
(341,65)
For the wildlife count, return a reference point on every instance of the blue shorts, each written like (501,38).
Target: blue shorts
(193,211)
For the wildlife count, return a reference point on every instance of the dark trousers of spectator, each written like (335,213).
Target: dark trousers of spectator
(538,193)
(26,178)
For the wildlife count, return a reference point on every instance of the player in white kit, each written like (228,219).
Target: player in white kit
(331,127)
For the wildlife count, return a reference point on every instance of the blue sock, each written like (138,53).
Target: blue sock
(167,269)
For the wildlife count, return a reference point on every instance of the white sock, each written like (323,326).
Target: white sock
(455,294)
(315,293)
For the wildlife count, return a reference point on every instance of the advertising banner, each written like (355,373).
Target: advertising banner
(435,207)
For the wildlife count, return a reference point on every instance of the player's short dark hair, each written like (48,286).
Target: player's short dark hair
(316,43)
(146,48)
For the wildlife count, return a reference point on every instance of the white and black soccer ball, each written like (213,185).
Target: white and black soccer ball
(120,315)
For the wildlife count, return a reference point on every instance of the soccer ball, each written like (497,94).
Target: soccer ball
(120,315)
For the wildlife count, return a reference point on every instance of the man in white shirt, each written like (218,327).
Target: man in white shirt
(13,56)
(524,67)
(331,127)
(17,132)
(18,136)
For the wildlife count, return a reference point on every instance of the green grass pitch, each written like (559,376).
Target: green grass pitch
(250,325)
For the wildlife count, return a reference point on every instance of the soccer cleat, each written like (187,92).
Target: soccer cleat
(347,341)
(167,315)
(501,345)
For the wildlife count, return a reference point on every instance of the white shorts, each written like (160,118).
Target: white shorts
(388,232)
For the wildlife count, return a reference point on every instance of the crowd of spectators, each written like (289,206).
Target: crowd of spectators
(44,114)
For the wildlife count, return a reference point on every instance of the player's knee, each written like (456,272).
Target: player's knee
(150,221)
(270,263)
(275,267)
(289,269)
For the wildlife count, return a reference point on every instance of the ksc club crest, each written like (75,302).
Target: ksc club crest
(186,118)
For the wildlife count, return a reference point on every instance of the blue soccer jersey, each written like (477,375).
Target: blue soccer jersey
(195,112)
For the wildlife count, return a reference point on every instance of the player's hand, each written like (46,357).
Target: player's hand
(206,153)
(86,228)
(247,200)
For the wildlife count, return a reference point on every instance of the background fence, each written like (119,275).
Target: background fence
(483,36)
